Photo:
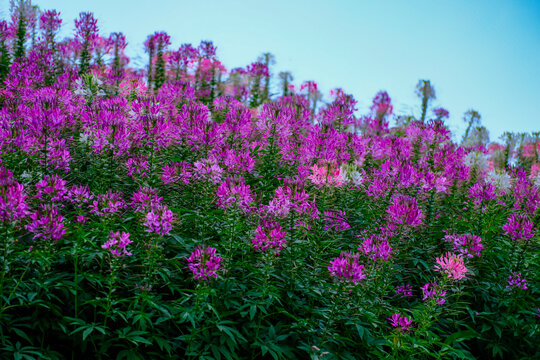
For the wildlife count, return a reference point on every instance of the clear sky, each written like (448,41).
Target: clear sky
(478,54)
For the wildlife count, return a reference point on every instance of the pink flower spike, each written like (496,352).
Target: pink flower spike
(452,265)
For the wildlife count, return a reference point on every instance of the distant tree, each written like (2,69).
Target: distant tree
(257,72)
(21,12)
(471,118)
(426,92)
(5,59)
(86,33)
(286,79)
(162,41)
(149,47)
(478,136)
(510,139)
(268,59)
(33,24)
(120,43)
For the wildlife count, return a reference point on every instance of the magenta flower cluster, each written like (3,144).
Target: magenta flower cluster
(400,322)
(433,290)
(117,243)
(516,281)
(519,227)
(345,267)
(269,235)
(467,245)
(204,263)
(404,211)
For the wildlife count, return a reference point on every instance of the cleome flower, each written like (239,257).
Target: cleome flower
(401,322)
(203,262)
(117,243)
(346,268)
(452,265)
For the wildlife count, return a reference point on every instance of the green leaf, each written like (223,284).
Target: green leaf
(87,332)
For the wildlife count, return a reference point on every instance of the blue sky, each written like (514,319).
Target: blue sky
(478,54)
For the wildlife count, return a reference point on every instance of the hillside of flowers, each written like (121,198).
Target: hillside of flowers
(190,211)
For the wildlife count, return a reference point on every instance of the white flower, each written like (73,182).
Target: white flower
(356,178)
(500,180)
(476,160)
(84,138)
(536,180)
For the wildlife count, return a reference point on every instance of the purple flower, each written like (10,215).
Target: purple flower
(138,166)
(158,220)
(176,172)
(107,204)
(516,281)
(269,235)
(47,224)
(404,210)
(405,290)
(432,290)
(441,113)
(335,220)
(376,247)
(13,204)
(400,322)
(346,267)
(231,193)
(117,243)
(145,198)
(203,262)
(518,227)
(482,192)
(79,194)
(51,188)
(466,244)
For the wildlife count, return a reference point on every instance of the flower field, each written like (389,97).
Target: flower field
(190,211)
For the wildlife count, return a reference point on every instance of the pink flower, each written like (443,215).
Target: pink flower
(346,267)
(117,243)
(204,262)
(452,265)
(326,175)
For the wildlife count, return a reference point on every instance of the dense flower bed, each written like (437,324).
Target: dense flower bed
(176,213)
